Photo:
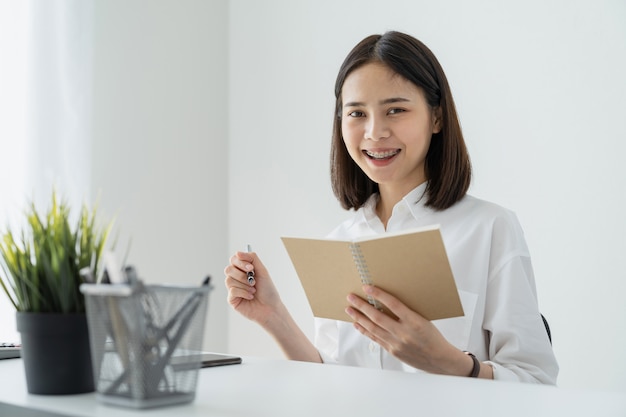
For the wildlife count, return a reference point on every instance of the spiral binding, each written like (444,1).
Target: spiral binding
(364,272)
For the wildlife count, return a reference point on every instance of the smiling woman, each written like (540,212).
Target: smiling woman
(540,91)
(388,73)
(399,160)
(387,127)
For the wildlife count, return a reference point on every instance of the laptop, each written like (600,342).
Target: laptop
(10,350)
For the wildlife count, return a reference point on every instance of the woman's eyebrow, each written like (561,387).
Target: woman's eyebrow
(394,100)
(390,100)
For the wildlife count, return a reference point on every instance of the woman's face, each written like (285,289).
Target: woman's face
(387,126)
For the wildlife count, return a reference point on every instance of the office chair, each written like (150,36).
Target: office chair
(545,323)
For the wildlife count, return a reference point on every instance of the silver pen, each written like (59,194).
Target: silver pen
(250,273)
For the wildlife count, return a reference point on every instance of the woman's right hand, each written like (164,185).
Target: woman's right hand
(257,301)
(261,303)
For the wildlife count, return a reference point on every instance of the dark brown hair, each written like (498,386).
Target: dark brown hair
(448,166)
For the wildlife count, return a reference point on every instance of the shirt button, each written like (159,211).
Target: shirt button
(373,347)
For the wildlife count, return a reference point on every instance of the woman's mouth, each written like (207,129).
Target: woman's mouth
(381,155)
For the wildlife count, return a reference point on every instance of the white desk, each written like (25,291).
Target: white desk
(264,387)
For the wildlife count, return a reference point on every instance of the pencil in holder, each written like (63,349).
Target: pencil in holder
(146,342)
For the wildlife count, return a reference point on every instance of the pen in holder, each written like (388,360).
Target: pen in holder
(135,331)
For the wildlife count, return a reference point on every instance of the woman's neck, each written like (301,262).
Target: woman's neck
(387,200)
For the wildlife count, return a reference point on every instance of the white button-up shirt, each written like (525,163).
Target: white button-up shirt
(492,269)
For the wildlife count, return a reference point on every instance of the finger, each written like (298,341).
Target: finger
(243,261)
(365,326)
(395,306)
(237,290)
(236,272)
(367,315)
(230,281)
(371,335)
(372,313)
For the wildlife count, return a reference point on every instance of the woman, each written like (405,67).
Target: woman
(398,159)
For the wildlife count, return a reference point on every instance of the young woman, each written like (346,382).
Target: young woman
(399,160)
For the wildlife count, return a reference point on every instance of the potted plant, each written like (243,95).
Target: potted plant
(41,275)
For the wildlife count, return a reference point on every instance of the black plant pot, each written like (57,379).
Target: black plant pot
(55,352)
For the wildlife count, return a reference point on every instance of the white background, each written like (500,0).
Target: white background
(212,123)
(541,94)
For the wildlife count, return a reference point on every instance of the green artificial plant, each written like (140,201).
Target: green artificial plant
(41,267)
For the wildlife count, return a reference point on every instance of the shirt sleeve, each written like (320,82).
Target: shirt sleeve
(327,340)
(519,348)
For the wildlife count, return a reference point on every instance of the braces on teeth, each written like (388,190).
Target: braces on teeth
(381,155)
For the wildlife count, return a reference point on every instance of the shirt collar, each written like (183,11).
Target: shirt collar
(415,201)
(412,205)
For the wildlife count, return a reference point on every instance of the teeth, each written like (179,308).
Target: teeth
(382,155)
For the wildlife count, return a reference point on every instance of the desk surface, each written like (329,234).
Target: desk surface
(267,387)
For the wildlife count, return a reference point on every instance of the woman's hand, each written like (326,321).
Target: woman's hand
(261,303)
(410,338)
(257,301)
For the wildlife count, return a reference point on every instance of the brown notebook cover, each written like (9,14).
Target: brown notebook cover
(412,265)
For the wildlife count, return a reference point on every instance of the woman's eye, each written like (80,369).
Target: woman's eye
(396,111)
(356,113)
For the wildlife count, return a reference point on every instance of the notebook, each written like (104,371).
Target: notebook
(411,265)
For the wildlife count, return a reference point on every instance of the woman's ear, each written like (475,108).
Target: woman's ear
(437,120)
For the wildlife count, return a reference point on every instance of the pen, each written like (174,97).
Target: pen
(207,280)
(250,273)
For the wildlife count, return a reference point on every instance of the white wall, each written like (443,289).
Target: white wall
(160,140)
(541,94)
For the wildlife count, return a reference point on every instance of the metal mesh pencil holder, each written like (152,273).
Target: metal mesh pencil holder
(145,342)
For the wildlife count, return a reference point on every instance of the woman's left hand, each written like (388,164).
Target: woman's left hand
(410,338)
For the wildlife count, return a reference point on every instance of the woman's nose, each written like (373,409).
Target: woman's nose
(376,128)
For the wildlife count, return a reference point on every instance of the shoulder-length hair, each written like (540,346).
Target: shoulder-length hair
(448,167)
